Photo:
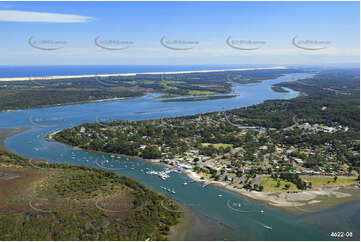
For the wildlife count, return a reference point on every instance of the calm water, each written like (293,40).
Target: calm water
(215,220)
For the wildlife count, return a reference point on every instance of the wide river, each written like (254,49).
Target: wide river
(215,208)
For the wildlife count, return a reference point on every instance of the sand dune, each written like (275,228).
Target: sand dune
(8,79)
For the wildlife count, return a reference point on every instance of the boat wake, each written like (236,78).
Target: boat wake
(236,209)
(264,225)
(106,168)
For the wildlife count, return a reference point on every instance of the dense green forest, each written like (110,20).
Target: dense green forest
(174,136)
(141,215)
(36,92)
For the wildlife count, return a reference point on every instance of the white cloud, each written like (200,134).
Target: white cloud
(24,16)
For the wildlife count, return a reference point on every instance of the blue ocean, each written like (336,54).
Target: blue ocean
(24,71)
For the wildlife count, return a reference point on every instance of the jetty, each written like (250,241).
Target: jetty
(209,183)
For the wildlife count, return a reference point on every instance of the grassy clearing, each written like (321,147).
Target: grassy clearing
(167,87)
(205,175)
(198,93)
(222,146)
(270,185)
(329,181)
(217,146)
(174,82)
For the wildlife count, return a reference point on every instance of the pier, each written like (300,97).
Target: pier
(209,183)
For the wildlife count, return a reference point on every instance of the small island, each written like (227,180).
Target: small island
(30,92)
(279,89)
(204,98)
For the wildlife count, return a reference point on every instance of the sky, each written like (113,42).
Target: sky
(179,33)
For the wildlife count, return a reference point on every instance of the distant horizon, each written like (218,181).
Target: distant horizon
(335,63)
(24,72)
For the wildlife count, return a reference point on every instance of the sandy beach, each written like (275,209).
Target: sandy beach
(289,201)
(9,79)
(323,197)
(50,136)
(284,199)
(294,202)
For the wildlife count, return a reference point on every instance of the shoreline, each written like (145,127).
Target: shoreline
(186,222)
(7,132)
(50,138)
(166,99)
(177,232)
(9,79)
(291,202)
(280,200)
(72,103)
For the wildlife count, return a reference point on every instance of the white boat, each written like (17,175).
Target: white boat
(220,195)
(185,183)
(267,227)
(173,191)
(261,211)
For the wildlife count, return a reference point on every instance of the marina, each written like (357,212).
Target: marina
(163,174)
